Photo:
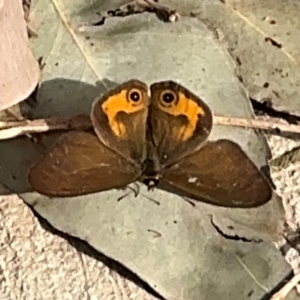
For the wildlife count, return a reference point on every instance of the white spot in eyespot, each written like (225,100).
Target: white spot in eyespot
(165,156)
(192,179)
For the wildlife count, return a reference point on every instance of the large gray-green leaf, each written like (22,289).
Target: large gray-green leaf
(263,37)
(183,252)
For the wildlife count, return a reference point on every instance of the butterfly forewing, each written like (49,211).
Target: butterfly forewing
(222,174)
(79,164)
(119,119)
(180,121)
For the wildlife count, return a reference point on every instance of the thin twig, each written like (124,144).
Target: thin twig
(285,290)
(10,130)
(257,123)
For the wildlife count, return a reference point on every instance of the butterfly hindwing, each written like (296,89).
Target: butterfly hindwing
(79,164)
(220,173)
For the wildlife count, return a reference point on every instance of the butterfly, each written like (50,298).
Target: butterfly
(161,140)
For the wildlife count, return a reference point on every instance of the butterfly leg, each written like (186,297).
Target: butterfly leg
(188,201)
(135,192)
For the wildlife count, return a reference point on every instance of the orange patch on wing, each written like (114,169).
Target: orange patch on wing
(191,110)
(116,104)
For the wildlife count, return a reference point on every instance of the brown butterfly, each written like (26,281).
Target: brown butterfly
(161,140)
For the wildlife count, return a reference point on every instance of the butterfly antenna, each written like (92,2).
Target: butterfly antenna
(151,199)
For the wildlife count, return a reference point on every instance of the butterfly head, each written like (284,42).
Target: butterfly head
(151,181)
